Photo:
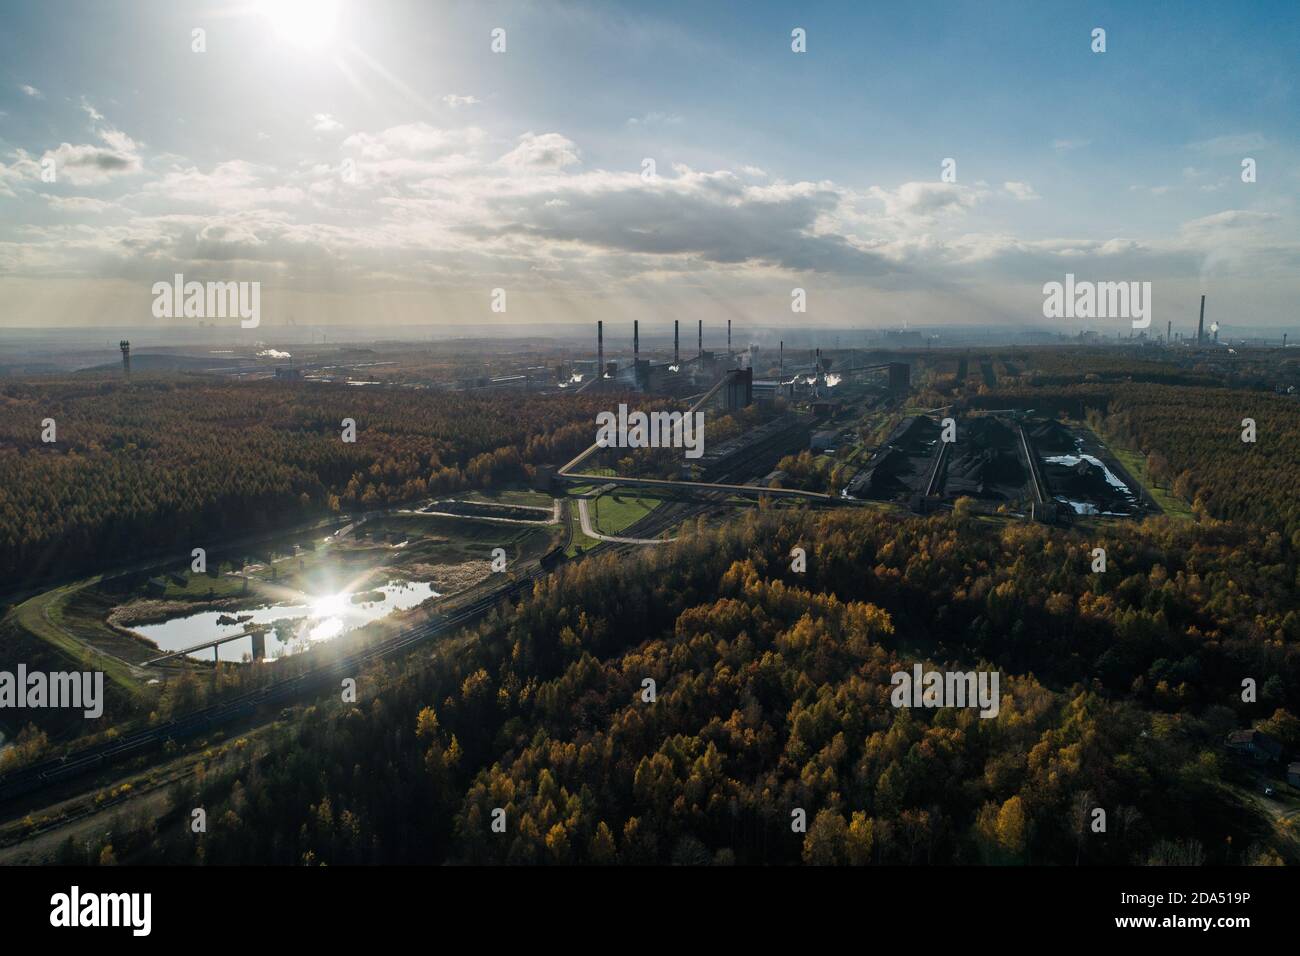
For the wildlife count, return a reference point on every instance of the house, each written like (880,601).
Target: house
(1293,774)
(824,440)
(1256,745)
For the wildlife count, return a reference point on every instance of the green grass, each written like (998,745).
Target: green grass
(1136,464)
(511,496)
(577,538)
(48,617)
(198,586)
(613,512)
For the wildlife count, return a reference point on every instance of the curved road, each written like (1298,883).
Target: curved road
(585,517)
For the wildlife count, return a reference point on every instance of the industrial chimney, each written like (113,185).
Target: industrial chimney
(636,340)
(677,355)
(728,337)
(701,336)
(1200,326)
(1169,332)
(600,350)
(781,356)
(125,346)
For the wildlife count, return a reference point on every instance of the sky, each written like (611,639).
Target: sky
(380,163)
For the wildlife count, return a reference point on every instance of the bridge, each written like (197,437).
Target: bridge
(257,633)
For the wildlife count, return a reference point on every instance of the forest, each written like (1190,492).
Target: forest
(1118,690)
(1191,438)
(165,462)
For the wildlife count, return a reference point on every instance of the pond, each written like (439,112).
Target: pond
(317,619)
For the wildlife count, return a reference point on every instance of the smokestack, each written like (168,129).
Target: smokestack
(701,334)
(600,350)
(1169,331)
(636,340)
(728,336)
(1283,340)
(781,356)
(125,346)
(1200,326)
(677,356)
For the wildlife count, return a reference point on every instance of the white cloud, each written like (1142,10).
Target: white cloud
(544,150)
(1066,145)
(1022,191)
(78,204)
(1235,144)
(457,101)
(655,119)
(924,202)
(32,91)
(325,123)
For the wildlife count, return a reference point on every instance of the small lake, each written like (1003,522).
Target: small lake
(321,619)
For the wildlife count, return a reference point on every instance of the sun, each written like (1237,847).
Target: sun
(330,605)
(309,24)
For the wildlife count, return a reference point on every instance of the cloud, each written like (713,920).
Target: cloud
(924,202)
(412,140)
(24,168)
(89,164)
(1066,145)
(86,164)
(438,206)
(78,204)
(32,91)
(457,101)
(655,119)
(545,150)
(325,123)
(1235,144)
(235,184)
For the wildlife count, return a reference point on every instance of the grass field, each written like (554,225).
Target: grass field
(1136,464)
(615,511)
(511,496)
(52,615)
(576,537)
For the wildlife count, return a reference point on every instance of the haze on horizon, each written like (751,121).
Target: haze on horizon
(379,163)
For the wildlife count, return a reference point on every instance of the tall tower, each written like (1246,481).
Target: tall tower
(636,340)
(700,333)
(1169,331)
(677,358)
(780,362)
(1200,326)
(728,337)
(600,350)
(125,346)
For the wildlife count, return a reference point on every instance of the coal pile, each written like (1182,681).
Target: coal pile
(1051,438)
(901,467)
(914,434)
(995,473)
(1083,485)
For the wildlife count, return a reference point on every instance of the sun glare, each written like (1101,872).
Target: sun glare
(330,605)
(309,24)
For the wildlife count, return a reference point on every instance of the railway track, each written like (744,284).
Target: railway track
(206,719)
(59,770)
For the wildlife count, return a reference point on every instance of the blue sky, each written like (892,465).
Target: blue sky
(471,170)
